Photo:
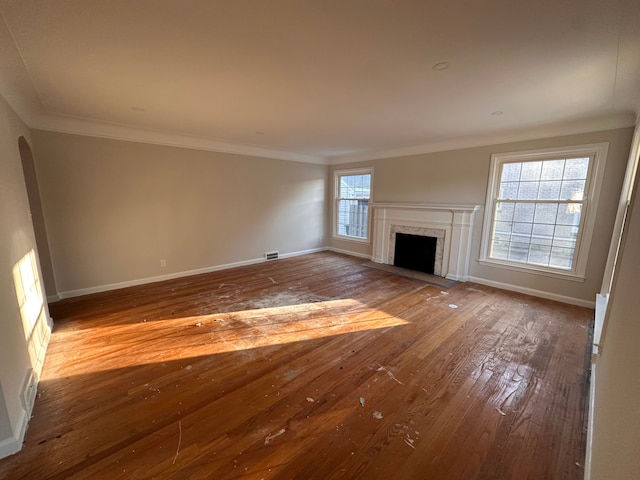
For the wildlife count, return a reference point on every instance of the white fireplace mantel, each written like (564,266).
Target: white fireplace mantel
(453,224)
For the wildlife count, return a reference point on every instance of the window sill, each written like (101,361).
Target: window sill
(365,241)
(532,270)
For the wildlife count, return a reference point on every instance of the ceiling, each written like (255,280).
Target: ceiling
(324,81)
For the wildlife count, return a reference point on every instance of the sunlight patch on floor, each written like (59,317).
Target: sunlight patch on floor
(165,340)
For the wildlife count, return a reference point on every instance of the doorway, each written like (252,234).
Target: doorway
(37,215)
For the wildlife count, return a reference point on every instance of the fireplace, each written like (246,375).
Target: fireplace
(450,225)
(415,252)
(437,233)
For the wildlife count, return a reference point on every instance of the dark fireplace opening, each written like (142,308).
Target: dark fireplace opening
(415,252)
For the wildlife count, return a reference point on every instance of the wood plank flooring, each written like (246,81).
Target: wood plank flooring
(312,367)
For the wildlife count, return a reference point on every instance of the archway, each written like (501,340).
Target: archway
(37,216)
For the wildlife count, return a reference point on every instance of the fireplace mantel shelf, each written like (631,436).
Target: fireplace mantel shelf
(451,224)
(428,206)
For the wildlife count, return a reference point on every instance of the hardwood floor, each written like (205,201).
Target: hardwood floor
(310,368)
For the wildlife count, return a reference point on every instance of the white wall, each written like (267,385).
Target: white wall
(461,176)
(615,452)
(18,354)
(114,209)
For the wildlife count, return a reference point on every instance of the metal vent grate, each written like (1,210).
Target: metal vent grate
(271,255)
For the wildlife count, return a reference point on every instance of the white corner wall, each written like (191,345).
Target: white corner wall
(615,435)
(114,209)
(20,353)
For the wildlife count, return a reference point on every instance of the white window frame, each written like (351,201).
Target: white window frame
(336,191)
(598,153)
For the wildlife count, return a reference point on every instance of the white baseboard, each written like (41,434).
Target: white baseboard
(592,397)
(171,276)
(304,252)
(535,293)
(53,298)
(349,252)
(457,278)
(11,445)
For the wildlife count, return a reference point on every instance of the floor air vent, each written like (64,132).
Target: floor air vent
(271,255)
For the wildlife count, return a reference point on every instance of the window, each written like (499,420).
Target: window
(540,209)
(351,210)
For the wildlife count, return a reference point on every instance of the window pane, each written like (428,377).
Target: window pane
(569,214)
(354,192)
(576,169)
(552,170)
(523,230)
(561,257)
(539,255)
(572,190)
(546,213)
(565,236)
(532,222)
(503,228)
(524,212)
(549,190)
(531,171)
(353,218)
(509,190)
(511,172)
(355,186)
(528,190)
(504,211)
(543,240)
(518,252)
(542,234)
(500,250)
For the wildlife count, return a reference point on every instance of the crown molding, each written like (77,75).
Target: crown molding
(595,124)
(93,128)
(17,88)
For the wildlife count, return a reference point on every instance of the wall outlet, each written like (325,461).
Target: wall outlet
(163,263)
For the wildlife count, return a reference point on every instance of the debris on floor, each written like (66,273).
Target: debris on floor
(270,437)
(389,373)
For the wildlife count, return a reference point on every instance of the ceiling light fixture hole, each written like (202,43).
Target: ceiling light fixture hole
(441,66)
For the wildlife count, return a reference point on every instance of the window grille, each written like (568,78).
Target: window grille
(353,193)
